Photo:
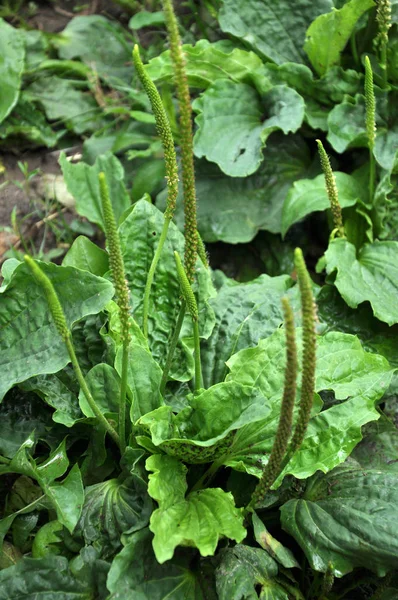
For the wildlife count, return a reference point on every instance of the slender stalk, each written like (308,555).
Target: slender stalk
(58,316)
(91,402)
(151,275)
(4,460)
(190,300)
(354,49)
(164,130)
(331,189)
(370,102)
(208,475)
(273,467)
(172,347)
(309,355)
(186,139)
(122,297)
(198,366)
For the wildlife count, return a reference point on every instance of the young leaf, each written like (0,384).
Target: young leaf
(327,36)
(352,513)
(309,195)
(85,255)
(199,520)
(371,276)
(82,182)
(24,302)
(234,123)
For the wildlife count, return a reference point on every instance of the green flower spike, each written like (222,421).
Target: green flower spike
(383,18)
(166,136)
(186,139)
(308,310)
(192,306)
(58,315)
(273,468)
(122,295)
(331,189)
(370,102)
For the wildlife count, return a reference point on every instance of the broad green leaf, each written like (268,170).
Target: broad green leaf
(343,367)
(234,209)
(135,573)
(280,553)
(111,508)
(372,276)
(63,101)
(206,62)
(85,255)
(234,122)
(346,123)
(245,313)
(82,182)
(99,43)
(41,578)
(139,235)
(275,31)
(309,195)
(56,392)
(104,385)
(241,570)
(328,35)
(143,377)
(12,52)
(199,520)
(347,519)
(30,344)
(146,19)
(199,432)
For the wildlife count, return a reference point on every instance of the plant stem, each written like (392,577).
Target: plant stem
(151,274)
(198,366)
(123,394)
(4,461)
(208,475)
(91,402)
(172,347)
(354,49)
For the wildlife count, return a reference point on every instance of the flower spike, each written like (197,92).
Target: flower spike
(58,315)
(273,467)
(188,170)
(331,189)
(122,296)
